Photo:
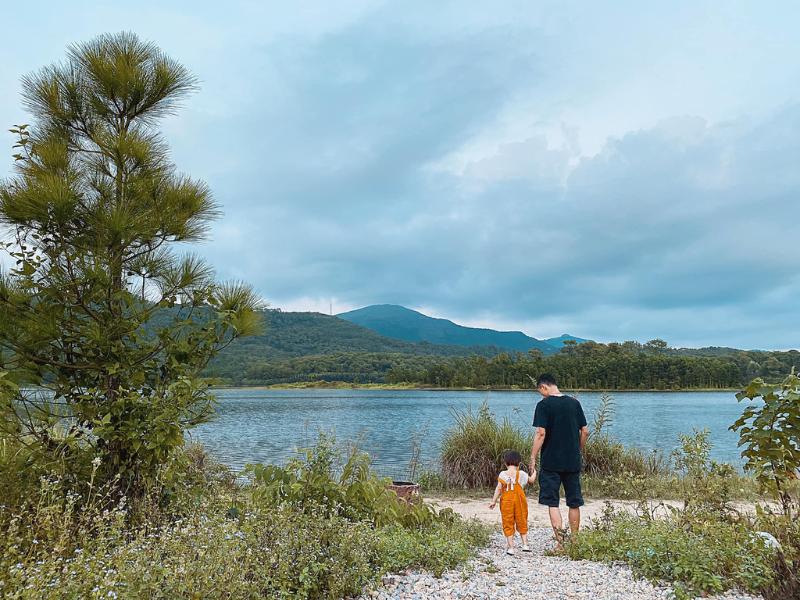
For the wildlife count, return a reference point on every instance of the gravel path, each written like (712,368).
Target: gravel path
(526,576)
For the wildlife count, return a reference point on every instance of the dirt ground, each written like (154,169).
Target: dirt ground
(538,514)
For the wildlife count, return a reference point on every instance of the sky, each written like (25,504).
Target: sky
(615,171)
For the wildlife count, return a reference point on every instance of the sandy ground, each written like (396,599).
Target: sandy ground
(538,514)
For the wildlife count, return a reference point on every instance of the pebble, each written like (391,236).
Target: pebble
(493,574)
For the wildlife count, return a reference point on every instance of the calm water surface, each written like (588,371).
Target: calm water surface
(266,425)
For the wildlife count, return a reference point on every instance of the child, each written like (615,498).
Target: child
(513,504)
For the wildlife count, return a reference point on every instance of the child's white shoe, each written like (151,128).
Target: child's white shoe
(510,552)
(526,548)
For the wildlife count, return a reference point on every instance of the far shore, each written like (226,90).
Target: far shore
(341,385)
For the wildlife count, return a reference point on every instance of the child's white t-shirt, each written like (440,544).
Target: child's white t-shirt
(510,479)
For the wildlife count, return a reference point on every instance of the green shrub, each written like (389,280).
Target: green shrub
(275,553)
(309,483)
(215,539)
(707,547)
(207,556)
(699,552)
(430,480)
(433,548)
(786,561)
(769,432)
(770,435)
(473,448)
(704,483)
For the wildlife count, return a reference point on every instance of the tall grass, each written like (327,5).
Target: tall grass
(605,456)
(473,447)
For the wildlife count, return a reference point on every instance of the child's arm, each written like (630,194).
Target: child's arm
(497,491)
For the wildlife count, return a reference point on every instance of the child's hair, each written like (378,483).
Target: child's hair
(512,458)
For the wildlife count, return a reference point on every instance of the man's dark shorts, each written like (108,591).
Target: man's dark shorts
(550,484)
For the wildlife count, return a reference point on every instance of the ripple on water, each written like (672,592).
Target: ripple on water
(266,425)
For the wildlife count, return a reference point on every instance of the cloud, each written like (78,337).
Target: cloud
(608,172)
(685,231)
(531,159)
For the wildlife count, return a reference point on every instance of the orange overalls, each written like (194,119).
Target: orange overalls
(513,507)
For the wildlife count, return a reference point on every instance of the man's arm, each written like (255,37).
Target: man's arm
(584,435)
(538,440)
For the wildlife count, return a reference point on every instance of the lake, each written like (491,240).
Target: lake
(266,425)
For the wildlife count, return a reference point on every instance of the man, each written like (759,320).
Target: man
(561,432)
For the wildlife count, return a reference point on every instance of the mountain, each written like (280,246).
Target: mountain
(406,324)
(558,342)
(290,335)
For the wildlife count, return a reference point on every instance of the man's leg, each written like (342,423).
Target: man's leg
(549,487)
(555,519)
(558,524)
(572,491)
(574,519)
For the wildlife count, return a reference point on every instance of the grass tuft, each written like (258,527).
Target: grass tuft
(473,447)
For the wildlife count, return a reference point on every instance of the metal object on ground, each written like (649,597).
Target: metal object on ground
(406,490)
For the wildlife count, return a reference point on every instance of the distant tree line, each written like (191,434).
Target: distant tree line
(363,367)
(590,365)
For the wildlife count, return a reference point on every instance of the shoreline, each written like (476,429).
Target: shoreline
(478,508)
(422,388)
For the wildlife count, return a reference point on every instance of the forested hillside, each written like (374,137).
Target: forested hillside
(608,367)
(587,366)
(298,334)
(300,347)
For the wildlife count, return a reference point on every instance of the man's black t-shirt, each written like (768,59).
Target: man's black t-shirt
(562,418)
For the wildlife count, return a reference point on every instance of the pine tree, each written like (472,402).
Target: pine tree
(94,209)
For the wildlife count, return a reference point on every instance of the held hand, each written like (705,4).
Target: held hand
(532,477)
(491,506)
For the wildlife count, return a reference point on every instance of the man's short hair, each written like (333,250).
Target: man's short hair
(545,379)
(512,458)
